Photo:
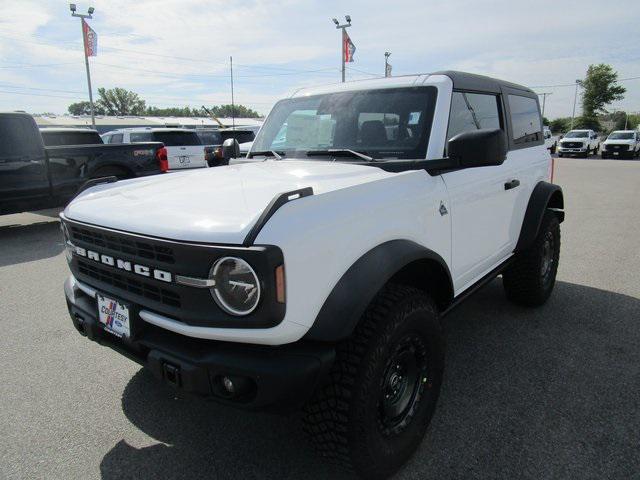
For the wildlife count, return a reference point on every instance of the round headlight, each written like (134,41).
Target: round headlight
(237,288)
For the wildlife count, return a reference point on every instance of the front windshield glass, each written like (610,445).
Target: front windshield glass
(385,123)
(621,136)
(577,135)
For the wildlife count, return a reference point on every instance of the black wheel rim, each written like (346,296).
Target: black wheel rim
(403,383)
(548,257)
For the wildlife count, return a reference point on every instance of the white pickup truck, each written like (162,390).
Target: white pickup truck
(621,144)
(550,140)
(184,147)
(580,143)
(317,276)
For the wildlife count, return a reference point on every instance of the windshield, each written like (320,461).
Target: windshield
(52,139)
(177,139)
(621,136)
(210,137)
(385,123)
(577,135)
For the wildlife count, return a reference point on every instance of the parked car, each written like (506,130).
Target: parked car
(34,176)
(184,147)
(579,142)
(316,277)
(213,152)
(550,141)
(70,136)
(621,144)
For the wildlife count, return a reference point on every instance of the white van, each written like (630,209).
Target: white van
(184,147)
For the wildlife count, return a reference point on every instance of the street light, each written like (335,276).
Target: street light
(343,27)
(82,16)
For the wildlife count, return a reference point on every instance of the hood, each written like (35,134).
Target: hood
(619,142)
(213,205)
(581,140)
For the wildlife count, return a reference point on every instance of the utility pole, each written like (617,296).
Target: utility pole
(343,27)
(544,100)
(387,71)
(575,99)
(81,16)
(233,108)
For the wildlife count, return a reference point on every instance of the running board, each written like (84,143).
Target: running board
(478,285)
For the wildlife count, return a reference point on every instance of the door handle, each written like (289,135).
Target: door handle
(512,184)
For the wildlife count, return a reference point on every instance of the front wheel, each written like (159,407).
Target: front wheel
(530,279)
(560,154)
(373,412)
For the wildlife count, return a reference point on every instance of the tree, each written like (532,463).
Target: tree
(84,108)
(560,125)
(118,101)
(545,121)
(587,122)
(234,111)
(600,89)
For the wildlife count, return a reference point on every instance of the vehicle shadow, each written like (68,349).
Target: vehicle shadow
(551,392)
(27,243)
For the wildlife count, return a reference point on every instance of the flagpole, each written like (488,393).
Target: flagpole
(86,63)
(82,17)
(343,27)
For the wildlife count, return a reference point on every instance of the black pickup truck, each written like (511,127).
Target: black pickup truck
(33,176)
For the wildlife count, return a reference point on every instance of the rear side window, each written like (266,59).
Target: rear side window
(52,139)
(141,137)
(177,139)
(116,138)
(17,137)
(473,111)
(525,119)
(106,138)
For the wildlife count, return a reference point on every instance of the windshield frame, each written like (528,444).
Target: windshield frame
(419,151)
(576,134)
(629,137)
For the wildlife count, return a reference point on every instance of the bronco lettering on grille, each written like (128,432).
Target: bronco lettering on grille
(142,270)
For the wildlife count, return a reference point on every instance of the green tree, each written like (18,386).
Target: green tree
(601,88)
(84,108)
(560,125)
(234,111)
(587,122)
(118,101)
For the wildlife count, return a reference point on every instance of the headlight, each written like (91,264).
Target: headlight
(237,288)
(69,247)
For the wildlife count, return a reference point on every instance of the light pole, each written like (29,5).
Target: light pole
(82,16)
(343,27)
(575,99)
(544,100)
(387,72)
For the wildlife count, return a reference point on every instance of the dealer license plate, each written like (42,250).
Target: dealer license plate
(114,316)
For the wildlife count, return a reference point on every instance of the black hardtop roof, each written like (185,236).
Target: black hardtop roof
(481,83)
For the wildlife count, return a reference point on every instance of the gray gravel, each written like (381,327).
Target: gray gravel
(552,392)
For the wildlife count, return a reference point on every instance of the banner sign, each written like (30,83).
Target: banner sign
(90,40)
(349,48)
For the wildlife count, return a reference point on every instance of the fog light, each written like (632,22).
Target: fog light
(228,385)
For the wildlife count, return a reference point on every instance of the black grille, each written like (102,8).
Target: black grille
(572,144)
(123,244)
(617,148)
(136,287)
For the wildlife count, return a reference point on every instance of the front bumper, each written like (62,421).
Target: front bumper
(269,378)
(562,149)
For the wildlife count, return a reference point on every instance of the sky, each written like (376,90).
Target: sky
(176,52)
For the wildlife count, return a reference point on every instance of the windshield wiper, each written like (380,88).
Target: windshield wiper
(267,153)
(341,152)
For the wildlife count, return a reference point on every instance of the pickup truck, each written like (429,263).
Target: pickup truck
(621,144)
(580,143)
(550,141)
(33,176)
(317,276)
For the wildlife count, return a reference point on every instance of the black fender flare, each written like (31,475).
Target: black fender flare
(545,196)
(350,297)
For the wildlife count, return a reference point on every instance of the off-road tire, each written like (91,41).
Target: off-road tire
(529,280)
(346,416)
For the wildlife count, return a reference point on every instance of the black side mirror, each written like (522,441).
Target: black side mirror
(478,148)
(230,149)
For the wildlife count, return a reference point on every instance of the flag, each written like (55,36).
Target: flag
(349,48)
(90,40)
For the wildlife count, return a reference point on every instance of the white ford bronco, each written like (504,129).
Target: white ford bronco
(316,276)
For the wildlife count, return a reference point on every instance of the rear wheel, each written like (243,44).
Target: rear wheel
(372,414)
(119,173)
(531,278)
(553,148)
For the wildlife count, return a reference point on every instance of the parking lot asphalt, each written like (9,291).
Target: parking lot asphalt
(552,392)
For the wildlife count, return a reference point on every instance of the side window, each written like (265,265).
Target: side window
(106,138)
(116,138)
(18,137)
(525,119)
(473,111)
